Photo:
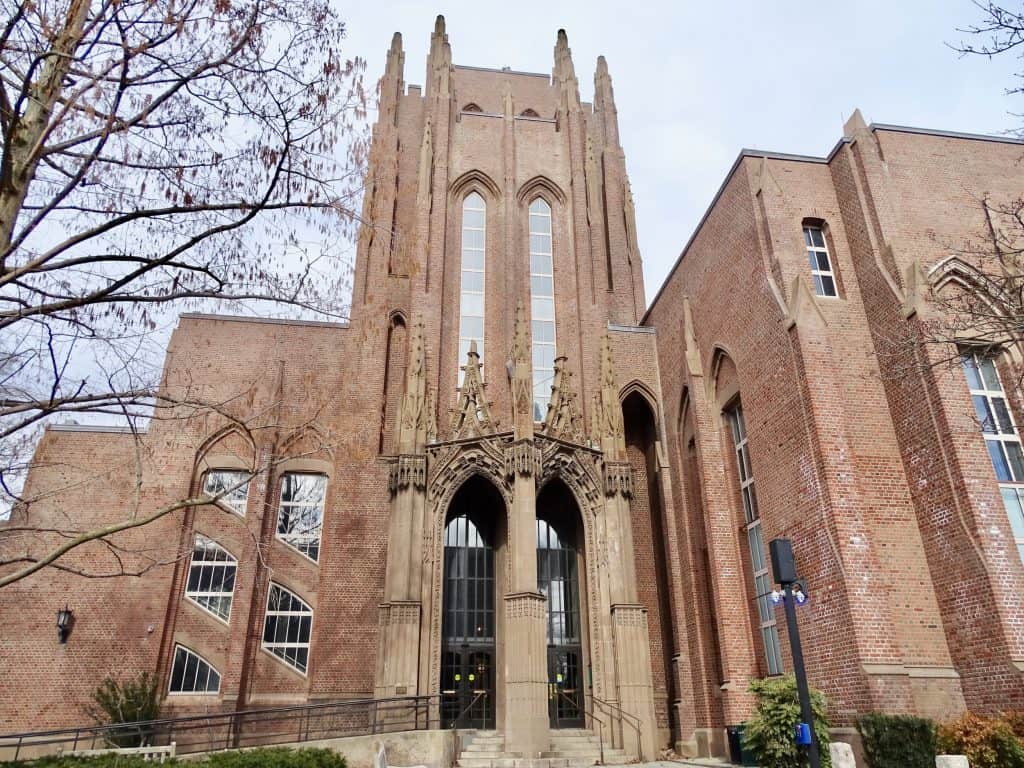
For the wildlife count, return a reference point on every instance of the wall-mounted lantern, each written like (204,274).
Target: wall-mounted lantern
(64,617)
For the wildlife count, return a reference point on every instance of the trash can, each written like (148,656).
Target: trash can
(738,755)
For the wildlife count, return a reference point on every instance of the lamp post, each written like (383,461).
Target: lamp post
(64,616)
(784,570)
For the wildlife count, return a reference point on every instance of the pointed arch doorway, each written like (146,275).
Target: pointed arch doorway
(473,542)
(560,563)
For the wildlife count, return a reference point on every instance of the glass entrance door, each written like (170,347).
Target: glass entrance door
(556,578)
(467,630)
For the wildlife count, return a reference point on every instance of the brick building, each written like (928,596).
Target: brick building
(503,475)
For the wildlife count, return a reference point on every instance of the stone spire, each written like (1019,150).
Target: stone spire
(392,84)
(564,73)
(521,375)
(472,415)
(604,103)
(414,412)
(426,166)
(606,421)
(563,420)
(439,62)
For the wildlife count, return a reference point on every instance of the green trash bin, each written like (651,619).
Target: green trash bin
(738,754)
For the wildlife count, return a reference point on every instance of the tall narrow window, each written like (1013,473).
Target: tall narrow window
(755,543)
(542,306)
(230,486)
(300,516)
(287,627)
(1001,436)
(211,577)
(191,673)
(821,264)
(471,303)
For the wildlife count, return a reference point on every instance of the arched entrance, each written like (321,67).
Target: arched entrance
(468,628)
(559,566)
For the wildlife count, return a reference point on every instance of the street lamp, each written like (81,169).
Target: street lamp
(64,617)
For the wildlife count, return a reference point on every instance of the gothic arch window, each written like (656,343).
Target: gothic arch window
(542,305)
(211,577)
(529,113)
(300,512)
(471,296)
(191,673)
(229,486)
(472,107)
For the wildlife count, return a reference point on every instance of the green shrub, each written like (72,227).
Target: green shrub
(897,741)
(988,742)
(132,701)
(770,734)
(271,757)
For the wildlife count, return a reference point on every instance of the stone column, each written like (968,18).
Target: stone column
(526,666)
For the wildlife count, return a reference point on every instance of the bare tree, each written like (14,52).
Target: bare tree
(1000,31)
(160,155)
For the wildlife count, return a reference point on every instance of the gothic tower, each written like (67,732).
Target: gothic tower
(498,269)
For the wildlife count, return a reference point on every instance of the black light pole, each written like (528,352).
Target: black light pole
(784,569)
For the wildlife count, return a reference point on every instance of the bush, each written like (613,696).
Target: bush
(128,702)
(897,741)
(279,757)
(770,734)
(987,742)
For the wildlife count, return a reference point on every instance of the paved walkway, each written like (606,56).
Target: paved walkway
(690,761)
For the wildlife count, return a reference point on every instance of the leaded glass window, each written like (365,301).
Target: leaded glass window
(230,485)
(287,627)
(301,513)
(471,295)
(755,544)
(191,673)
(542,306)
(1001,436)
(211,577)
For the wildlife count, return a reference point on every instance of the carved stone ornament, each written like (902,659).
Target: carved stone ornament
(472,415)
(522,376)
(563,420)
(416,410)
(618,478)
(408,470)
(522,458)
(606,420)
(423,192)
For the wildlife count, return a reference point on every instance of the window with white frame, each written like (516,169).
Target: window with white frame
(542,306)
(287,627)
(755,544)
(1001,436)
(191,673)
(471,296)
(230,485)
(821,264)
(211,577)
(300,515)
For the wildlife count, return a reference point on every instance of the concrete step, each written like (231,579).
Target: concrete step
(519,762)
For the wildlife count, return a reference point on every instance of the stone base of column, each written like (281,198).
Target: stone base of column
(526,674)
(633,674)
(398,667)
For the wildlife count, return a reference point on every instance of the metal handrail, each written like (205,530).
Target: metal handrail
(229,726)
(627,717)
(479,695)
(600,722)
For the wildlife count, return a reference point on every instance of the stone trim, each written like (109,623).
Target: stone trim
(407,470)
(618,478)
(262,320)
(911,670)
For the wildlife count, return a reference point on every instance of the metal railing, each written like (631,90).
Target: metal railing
(593,718)
(626,717)
(244,728)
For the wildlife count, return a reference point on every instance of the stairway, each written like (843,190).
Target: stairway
(569,748)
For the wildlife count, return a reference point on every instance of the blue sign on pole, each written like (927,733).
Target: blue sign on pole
(803,734)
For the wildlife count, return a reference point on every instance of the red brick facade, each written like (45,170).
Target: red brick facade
(880,477)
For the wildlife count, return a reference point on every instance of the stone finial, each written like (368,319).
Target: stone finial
(565,73)
(472,415)
(439,62)
(439,25)
(521,376)
(413,413)
(610,430)
(563,420)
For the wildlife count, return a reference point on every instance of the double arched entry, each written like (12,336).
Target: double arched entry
(475,567)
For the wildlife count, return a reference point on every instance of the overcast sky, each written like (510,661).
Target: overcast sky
(696,82)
